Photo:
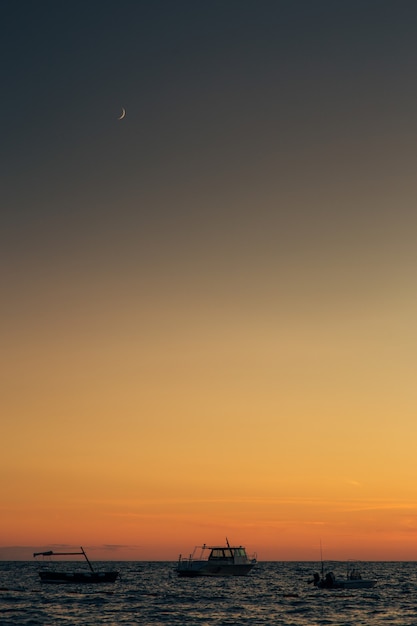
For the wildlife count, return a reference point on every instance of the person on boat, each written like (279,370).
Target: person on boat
(354,574)
(329,580)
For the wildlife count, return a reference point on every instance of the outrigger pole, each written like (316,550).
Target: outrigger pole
(51,553)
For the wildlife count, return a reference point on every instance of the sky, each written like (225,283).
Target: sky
(208,317)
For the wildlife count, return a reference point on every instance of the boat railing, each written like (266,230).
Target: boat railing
(185,562)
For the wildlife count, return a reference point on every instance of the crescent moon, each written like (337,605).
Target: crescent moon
(123,114)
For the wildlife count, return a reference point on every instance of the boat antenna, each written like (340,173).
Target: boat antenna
(227,542)
(321,558)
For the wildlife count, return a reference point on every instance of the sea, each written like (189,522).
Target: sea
(148,593)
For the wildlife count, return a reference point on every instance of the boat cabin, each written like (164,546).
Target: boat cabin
(235,555)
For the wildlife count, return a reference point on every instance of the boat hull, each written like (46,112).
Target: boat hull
(354,584)
(59,578)
(215,569)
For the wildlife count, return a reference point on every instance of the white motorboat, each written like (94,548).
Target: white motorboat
(353,580)
(216,561)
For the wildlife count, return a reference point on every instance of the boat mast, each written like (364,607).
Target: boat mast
(232,552)
(86,558)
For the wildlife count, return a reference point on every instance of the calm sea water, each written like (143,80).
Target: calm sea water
(151,593)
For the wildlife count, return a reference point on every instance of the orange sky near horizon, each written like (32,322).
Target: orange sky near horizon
(208,307)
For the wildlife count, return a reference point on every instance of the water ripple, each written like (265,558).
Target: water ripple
(152,594)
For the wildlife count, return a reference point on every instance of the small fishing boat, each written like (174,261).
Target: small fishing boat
(216,561)
(353,580)
(51,575)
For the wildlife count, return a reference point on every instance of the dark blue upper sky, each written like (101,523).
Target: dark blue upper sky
(270,97)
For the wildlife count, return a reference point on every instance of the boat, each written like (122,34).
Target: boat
(223,560)
(353,580)
(51,575)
